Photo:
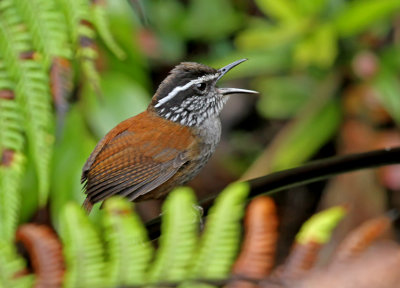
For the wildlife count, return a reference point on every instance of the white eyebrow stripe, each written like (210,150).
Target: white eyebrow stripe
(178,89)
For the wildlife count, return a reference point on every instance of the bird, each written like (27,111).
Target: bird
(147,155)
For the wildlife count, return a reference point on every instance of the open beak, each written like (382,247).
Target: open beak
(227,91)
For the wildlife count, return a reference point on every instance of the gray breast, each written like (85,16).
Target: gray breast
(210,134)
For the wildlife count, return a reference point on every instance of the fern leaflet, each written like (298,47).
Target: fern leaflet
(83,250)
(10,266)
(128,248)
(220,241)
(47,26)
(32,91)
(100,20)
(180,224)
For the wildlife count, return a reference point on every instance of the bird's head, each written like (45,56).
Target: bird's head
(189,95)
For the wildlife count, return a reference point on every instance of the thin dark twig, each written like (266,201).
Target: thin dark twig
(308,173)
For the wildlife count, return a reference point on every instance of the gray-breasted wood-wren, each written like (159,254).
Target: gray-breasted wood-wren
(146,156)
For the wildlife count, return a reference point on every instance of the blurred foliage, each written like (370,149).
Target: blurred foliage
(39,40)
(317,64)
(12,264)
(121,253)
(319,227)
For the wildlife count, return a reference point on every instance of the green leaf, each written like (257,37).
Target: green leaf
(282,97)
(388,57)
(320,226)
(70,154)
(388,85)
(128,249)
(282,10)
(206,21)
(121,98)
(83,250)
(313,126)
(260,62)
(167,16)
(220,240)
(359,15)
(319,48)
(263,36)
(100,20)
(180,224)
(312,129)
(311,7)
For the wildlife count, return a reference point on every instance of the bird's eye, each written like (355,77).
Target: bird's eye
(201,86)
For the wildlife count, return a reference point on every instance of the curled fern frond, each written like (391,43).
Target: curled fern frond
(83,250)
(47,26)
(128,249)
(100,21)
(31,89)
(12,268)
(180,224)
(45,254)
(220,241)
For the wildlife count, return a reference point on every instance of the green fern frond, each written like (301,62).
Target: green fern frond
(220,241)
(100,21)
(32,91)
(83,36)
(10,197)
(128,249)
(180,225)
(47,26)
(83,249)
(12,144)
(11,132)
(75,11)
(11,23)
(319,227)
(10,266)
(87,54)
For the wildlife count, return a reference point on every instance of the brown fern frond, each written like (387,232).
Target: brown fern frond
(362,237)
(45,252)
(315,232)
(300,260)
(257,256)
